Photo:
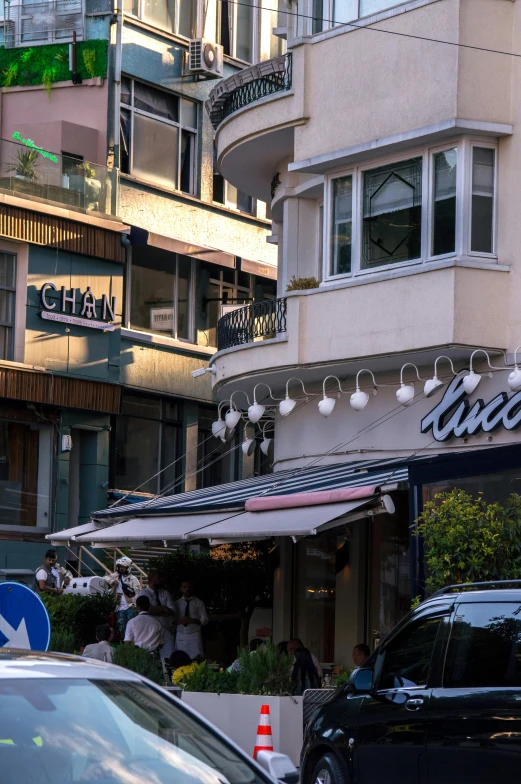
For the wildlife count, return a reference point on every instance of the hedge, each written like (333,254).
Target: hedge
(50,63)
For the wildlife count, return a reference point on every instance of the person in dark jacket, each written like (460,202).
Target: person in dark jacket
(304,674)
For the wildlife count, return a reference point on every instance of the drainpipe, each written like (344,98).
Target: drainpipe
(117,101)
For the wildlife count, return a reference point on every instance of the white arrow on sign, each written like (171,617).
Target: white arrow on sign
(16,638)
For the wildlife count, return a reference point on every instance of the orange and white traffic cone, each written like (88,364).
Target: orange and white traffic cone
(264,740)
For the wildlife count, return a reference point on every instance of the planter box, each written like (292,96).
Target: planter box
(237,715)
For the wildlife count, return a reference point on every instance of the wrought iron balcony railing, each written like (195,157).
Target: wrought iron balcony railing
(247,86)
(245,325)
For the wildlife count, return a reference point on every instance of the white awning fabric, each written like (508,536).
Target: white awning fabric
(224,526)
(68,534)
(151,529)
(298,522)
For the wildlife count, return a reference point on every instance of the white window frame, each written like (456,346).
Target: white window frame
(197,22)
(194,135)
(465,147)
(17,16)
(256,29)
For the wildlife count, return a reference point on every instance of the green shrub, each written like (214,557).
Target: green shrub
(469,540)
(138,660)
(62,642)
(203,678)
(301,284)
(79,615)
(267,671)
(50,63)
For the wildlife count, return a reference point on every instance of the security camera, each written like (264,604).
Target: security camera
(202,371)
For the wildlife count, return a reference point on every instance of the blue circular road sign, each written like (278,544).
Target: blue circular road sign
(24,620)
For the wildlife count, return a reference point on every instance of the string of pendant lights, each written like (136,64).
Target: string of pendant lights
(359,399)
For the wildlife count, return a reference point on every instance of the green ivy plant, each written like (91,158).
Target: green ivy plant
(48,77)
(10,74)
(89,59)
(468,540)
(49,63)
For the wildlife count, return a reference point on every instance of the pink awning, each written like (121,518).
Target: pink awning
(263,504)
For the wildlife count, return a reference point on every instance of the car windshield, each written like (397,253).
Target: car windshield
(63,731)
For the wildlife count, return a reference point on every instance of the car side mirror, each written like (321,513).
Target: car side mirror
(278,766)
(361,681)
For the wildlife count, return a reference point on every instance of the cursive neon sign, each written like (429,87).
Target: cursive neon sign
(29,143)
(454,416)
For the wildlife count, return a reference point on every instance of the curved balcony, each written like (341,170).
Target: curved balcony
(260,321)
(247,86)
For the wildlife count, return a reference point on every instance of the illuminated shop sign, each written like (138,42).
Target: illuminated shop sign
(33,146)
(454,417)
(79,310)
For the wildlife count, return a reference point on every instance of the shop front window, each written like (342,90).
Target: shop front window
(224,287)
(7,304)
(316,593)
(147,445)
(161,299)
(493,488)
(158,136)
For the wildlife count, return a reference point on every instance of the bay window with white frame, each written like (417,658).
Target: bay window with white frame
(322,15)
(158,140)
(434,204)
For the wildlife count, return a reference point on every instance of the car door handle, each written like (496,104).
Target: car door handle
(414,703)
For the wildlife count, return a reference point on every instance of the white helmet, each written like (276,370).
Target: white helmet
(124,561)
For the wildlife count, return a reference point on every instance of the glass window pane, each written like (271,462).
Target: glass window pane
(318,15)
(187,162)
(142,406)
(152,293)
(224,10)
(155,151)
(169,455)
(485,647)
(19,447)
(160,13)
(137,453)
(244,202)
(408,657)
(444,206)
(126,85)
(213,310)
(392,214)
(170,410)
(189,113)
(183,298)
(244,42)
(7,269)
(368,7)
(6,306)
(6,343)
(315,599)
(156,102)
(341,12)
(231,196)
(131,7)
(483,178)
(124,140)
(186,18)
(341,225)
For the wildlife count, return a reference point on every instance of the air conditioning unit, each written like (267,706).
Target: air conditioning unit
(205,58)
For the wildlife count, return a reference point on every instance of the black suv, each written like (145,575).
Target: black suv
(439,702)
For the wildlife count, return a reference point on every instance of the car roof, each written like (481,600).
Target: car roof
(36,664)
(495,595)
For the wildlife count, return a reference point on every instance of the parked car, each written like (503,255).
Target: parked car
(438,702)
(64,719)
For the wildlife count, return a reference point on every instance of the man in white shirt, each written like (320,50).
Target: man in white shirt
(162,607)
(144,630)
(191,616)
(100,650)
(50,576)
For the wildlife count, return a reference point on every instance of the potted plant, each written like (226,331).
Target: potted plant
(264,678)
(25,166)
(91,185)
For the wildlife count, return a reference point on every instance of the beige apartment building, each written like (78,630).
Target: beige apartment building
(385,142)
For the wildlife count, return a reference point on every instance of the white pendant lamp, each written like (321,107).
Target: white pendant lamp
(326,405)
(255,412)
(248,447)
(286,406)
(434,384)
(405,393)
(514,378)
(265,445)
(218,427)
(232,418)
(359,399)
(471,381)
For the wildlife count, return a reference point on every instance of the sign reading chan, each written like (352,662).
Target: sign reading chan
(64,310)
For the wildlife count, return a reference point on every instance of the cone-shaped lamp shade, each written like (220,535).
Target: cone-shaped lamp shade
(286,406)
(470,382)
(232,417)
(248,447)
(514,379)
(265,445)
(359,399)
(218,428)
(432,385)
(255,412)
(405,394)
(326,405)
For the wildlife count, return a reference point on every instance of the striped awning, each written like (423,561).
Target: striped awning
(235,494)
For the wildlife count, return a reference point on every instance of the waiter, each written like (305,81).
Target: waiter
(162,607)
(191,617)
